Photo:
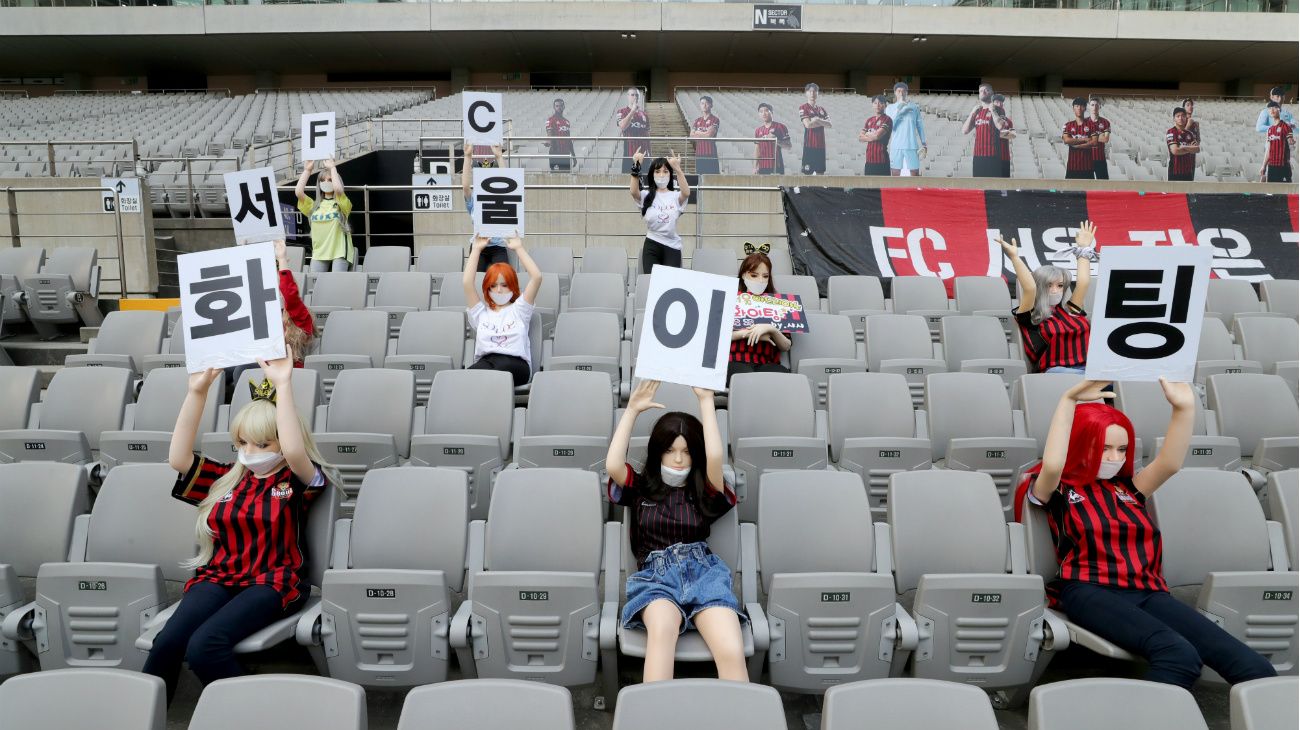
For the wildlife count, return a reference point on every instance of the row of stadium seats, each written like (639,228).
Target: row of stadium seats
(125,699)
(534,591)
(47,292)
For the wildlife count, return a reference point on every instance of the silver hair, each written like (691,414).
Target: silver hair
(1043,278)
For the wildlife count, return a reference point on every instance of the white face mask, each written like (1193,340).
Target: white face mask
(661,181)
(262,464)
(754,286)
(326,187)
(1054,298)
(1109,468)
(674,477)
(501,298)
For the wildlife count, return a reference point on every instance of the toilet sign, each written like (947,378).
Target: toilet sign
(123,194)
(318,136)
(426,199)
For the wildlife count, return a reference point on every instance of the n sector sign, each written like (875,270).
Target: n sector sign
(778,17)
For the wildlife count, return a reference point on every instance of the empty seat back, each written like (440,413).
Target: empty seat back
(467,426)
(427,344)
(77,698)
(604,260)
(720,261)
(977,343)
(412,289)
(1259,410)
(439,259)
(488,704)
(805,287)
(598,293)
(1281,295)
(379,259)
(557,260)
(1146,406)
(872,430)
(827,348)
(569,421)
(981,295)
(125,338)
(1283,494)
(917,294)
(353,339)
(589,342)
(710,703)
(1086,704)
(1227,297)
(1038,394)
(154,417)
(19,389)
(343,289)
(854,294)
(15,265)
(761,443)
(1268,340)
(1263,704)
(271,701)
(79,405)
(907,704)
(367,424)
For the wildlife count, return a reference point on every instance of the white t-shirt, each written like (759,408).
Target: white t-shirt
(661,217)
(503,331)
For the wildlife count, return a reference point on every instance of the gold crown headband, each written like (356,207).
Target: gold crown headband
(262,391)
(764,249)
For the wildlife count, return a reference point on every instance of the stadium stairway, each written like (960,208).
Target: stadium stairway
(666,121)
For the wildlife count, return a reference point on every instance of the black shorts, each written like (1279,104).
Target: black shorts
(986,167)
(1279,173)
(1006,168)
(1188,176)
(1100,170)
(561,164)
(875,168)
(814,160)
(1078,174)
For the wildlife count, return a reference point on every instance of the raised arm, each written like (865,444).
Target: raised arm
(516,243)
(288,425)
(499,156)
(1057,444)
(1023,276)
(471,268)
(467,171)
(642,399)
(180,455)
(1085,239)
(300,189)
(634,184)
(335,177)
(714,451)
(1177,438)
(683,187)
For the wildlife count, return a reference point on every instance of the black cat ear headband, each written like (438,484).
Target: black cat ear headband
(764,249)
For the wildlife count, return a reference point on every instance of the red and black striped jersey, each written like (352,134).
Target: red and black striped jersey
(1061,340)
(1004,145)
(1103,535)
(675,519)
(1280,136)
(769,153)
(878,151)
(638,127)
(1100,125)
(986,134)
(1080,158)
(1180,164)
(257,528)
(814,137)
(483,156)
(558,126)
(706,147)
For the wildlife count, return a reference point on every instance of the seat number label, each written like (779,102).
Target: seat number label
(534,595)
(782,453)
(418,366)
(561,452)
(453,451)
(916,371)
(986,598)
(92,585)
(835,597)
(1279,595)
(585,368)
(34,445)
(381,593)
(890,454)
(137,447)
(345,449)
(995,454)
(1203,452)
(335,365)
(833,371)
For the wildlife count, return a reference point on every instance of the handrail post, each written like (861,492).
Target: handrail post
(135,154)
(365,200)
(49,152)
(189,185)
(121,255)
(11,200)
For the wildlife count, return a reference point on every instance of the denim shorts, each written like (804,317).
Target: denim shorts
(689,575)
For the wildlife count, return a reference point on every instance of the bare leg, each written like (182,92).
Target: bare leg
(663,621)
(720,628)
(895,171)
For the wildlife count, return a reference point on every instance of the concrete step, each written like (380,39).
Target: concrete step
(26,349)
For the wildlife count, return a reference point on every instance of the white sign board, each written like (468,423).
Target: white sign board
(481,117)
(318,136)
(425,199)
(686,337)
(498,202)
(254,205)
(123,194)
(230,307)
(1146,319)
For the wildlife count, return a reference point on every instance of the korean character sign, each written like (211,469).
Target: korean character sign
(318,136)
(783,310)
(1146,320)
(254,205)
(687,334)
(498,202)
(230,308)
(481,122)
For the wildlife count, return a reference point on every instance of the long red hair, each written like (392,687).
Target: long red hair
(490,278)
(1087,442)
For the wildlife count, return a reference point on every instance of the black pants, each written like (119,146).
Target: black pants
(1100,170)
(493,255)
(1172,636)
(814,160)
(1279,173)
(875,168)
(516,366)
(1188,176)
(653,252)
(561,164)
(1078,174)
(207,625)
(734,367)
(1006,168)
(986,167)
(706,165)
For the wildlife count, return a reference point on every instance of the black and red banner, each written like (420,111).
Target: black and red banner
(947,233)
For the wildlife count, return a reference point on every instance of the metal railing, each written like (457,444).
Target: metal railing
(683,146)
(1253,6)
(15,215)
(50,144)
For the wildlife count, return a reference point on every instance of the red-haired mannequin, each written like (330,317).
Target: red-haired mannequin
(501,316)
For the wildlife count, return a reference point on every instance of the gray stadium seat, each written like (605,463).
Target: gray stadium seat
(1217,354)
(901,343)
(146,433)
(695,704)
(84,698)
(1146,406)
(857,297)
(673,397)
(547,302)
(1260,411)
(874,432)
(1273,342)
(1037,395)
(1215,537)
(1281,296)
(605,260)
(972,428)
(977,344)
(334,291)
(762,442)
(125,573)
(438,261)
(66,291)
(805,287)
(452,295)
(1264,704)
(172,352)
(829,576)
(953,547)
(827,348)
(589,342)
(488,704)
(924,296)
(297,256)
(781,263)
(386,602)
(217,443)
(599,293)
(641,290)
(557,261)
(16,264)
(468,426)
(399,293)
(1283,504)
(533,573)
(124,340)
(907,704)
(367,423)
(1087,704)
(984,295)
(720,261)
(1228,299)
(386,259)
(277,701)
(568,423)
(20,389)
(427,344)
(39,506)
(357,339)
(79,404)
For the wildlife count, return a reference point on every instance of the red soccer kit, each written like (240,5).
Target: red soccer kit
(814,138)
(638,127)
(1180,164)
(986,134)
(1100,125)
(706,147)
(557,127)
(878,151)
(1279,144)
(1005,144)
(1080,159)
(769,155)
(1061,340)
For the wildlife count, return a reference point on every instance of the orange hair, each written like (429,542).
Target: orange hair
(490,277)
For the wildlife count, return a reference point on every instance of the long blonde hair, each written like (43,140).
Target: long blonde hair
(296,337)
(255,422)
